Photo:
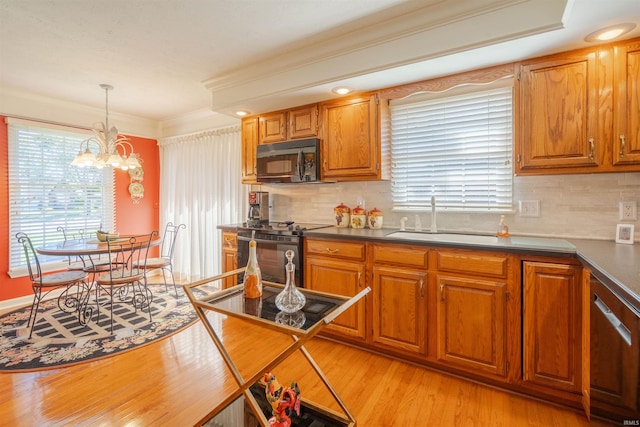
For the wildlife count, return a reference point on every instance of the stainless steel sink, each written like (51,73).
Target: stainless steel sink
(444,237)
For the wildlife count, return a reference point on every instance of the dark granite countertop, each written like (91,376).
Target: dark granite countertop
(616,265)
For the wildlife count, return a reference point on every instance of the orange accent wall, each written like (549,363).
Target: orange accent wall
(131,218)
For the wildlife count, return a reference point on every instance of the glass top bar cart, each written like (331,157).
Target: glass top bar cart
(320,309)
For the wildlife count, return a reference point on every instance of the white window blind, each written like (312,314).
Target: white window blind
(455,148)
(46,192)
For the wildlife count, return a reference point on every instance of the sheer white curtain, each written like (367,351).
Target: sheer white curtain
(200,186)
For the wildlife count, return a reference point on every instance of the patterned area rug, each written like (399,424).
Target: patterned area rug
(59,340)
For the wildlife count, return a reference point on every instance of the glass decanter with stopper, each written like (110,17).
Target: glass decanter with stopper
(252,275)
(290,299)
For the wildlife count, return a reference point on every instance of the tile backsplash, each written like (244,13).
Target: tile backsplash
(571,206)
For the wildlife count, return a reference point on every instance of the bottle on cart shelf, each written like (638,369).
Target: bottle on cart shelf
(252,276)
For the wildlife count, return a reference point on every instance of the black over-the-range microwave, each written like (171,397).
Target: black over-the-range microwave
(290,161)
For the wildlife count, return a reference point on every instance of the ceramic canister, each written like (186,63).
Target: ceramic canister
(358,217)
(374,219)
(341,216)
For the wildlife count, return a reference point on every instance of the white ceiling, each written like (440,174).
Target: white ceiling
(169,58)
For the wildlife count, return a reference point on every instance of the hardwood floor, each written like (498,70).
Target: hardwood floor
(178,380)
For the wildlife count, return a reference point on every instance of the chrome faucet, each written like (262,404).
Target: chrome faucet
(434,227)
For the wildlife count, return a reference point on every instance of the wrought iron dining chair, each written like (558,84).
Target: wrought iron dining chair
(91,264)
(46,283)
(165,260)
(126,279)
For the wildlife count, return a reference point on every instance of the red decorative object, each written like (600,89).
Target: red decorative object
(282,400)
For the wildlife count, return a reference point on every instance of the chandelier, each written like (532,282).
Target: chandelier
(110,145)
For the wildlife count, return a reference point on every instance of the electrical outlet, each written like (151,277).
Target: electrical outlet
(530,208)
(629,210)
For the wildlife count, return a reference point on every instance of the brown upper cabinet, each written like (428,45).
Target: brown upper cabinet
(626,113)
(577,112)
(350,144)
(249,140)
(558,115)
(295,123)
(301,122)
(273,127)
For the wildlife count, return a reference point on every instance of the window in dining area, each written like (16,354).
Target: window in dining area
(46,192)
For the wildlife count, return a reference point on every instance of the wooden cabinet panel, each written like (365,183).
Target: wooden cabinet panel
(350,145)
(336,249)
(552,325)
(399,308)
(229,257)
(558,113)
(626,133)
(473,263)
(343,278)
(273,127)
(249,141)
(303,122)
(401,255)
(471,324)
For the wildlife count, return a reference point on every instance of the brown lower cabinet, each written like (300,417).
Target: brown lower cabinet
(552,313)
(229,257)
(502,318)
(338,268)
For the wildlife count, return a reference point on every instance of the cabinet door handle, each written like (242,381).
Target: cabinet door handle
(442,292)
(592,148)
(622,145)
(421,288)
(332,251)
(359,276)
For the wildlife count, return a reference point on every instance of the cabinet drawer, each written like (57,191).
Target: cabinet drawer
(465,262)
(335,249)
(416,257)
(229,240)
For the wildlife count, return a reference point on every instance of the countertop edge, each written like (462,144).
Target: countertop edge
(616,265)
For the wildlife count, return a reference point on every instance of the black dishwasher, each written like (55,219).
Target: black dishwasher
(615,357)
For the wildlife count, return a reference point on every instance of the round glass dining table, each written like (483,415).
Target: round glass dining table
(92,255)
(84,248)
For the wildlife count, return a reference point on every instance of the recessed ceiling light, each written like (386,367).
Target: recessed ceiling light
(609,33)
(341,90)
(242,113)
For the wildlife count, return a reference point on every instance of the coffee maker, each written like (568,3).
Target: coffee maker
(258,209)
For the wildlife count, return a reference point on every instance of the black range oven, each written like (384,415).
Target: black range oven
(273,240)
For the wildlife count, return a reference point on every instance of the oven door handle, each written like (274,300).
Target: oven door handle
(292,240)
(248,239)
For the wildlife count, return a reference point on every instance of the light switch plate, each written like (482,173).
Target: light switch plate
(628,210)
(530,208)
